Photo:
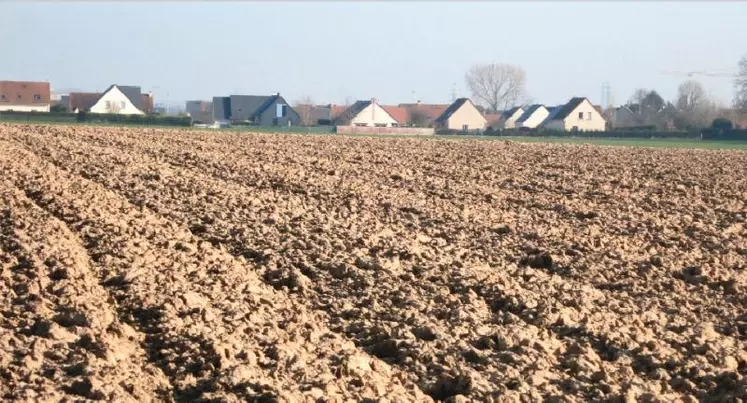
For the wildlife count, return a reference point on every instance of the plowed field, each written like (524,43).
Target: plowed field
(156,264)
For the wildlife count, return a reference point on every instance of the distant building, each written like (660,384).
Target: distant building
(24,96)
(532,117)
(423,115)
(577,115)
(200,111)
(272,110)
(509,118)
(365,114)
(462,115)
(118,99)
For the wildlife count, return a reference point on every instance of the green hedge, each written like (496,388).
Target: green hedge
(617,134)
(85,117)
(725,134)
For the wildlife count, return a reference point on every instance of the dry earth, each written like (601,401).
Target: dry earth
(155,264)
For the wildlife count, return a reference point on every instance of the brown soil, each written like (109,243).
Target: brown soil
(154,264)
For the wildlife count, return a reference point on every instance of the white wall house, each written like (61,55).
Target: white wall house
(533,117)
(365,114)
(509,117)
(121,100)
(577,115)
(462,115)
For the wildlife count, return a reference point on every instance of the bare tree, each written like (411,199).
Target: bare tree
(740,85)
(305,109)
(496,86)
(690,96)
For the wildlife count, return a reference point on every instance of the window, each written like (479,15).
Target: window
(361,124)
(3,97)
(465,127)
(581,115)
(588,116)
(380,124)
(122,104)
(37,97)
(108,105)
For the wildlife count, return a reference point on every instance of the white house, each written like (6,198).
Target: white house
(509,117)
(577,115)
(123,100)
(533,117)
(365,114)
(462,115)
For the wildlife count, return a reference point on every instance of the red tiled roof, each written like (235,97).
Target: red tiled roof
(337,110)
(401,115)
(492,118)
(24,93)
(431,111)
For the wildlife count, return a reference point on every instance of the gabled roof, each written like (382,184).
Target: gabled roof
(553,111)
(401,115)
(132,93)
(451,109)
(336,110)
(568,108)
(529,112)
(351,112)
(269,101)
(244,107)
(508,113)
(23,93)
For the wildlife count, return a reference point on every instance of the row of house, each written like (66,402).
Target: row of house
(274,110)
(462,115)
(578,114)
(32,96)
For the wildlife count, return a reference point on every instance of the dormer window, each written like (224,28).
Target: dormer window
(37,97)
(3,97)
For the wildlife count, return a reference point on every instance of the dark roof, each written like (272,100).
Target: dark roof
(133,94)
(244,107)
(348,114)
(507,114)
(451,109)
(553,111)
(82,100)
(529,112)
(566,109)
(268,102)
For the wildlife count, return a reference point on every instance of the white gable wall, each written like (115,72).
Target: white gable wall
(373,115)
(539,116)
(114,101)
(25,108)
(510,122)
(590,120)
(466,115)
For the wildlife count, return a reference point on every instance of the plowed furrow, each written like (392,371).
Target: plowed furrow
(212,327)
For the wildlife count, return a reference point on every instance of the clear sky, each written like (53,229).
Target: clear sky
(388,50)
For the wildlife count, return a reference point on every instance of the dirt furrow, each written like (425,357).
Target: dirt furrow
(62,338)
(599,322)
(213,328)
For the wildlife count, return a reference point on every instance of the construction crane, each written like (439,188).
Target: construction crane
(700,73)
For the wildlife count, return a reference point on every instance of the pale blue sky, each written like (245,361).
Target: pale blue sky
(334,50)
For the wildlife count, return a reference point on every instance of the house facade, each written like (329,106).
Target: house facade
(509,118)
(272,110)
(462,115)
(25,96)
(117,99)
(577,115)
(365,114)
(532,117)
